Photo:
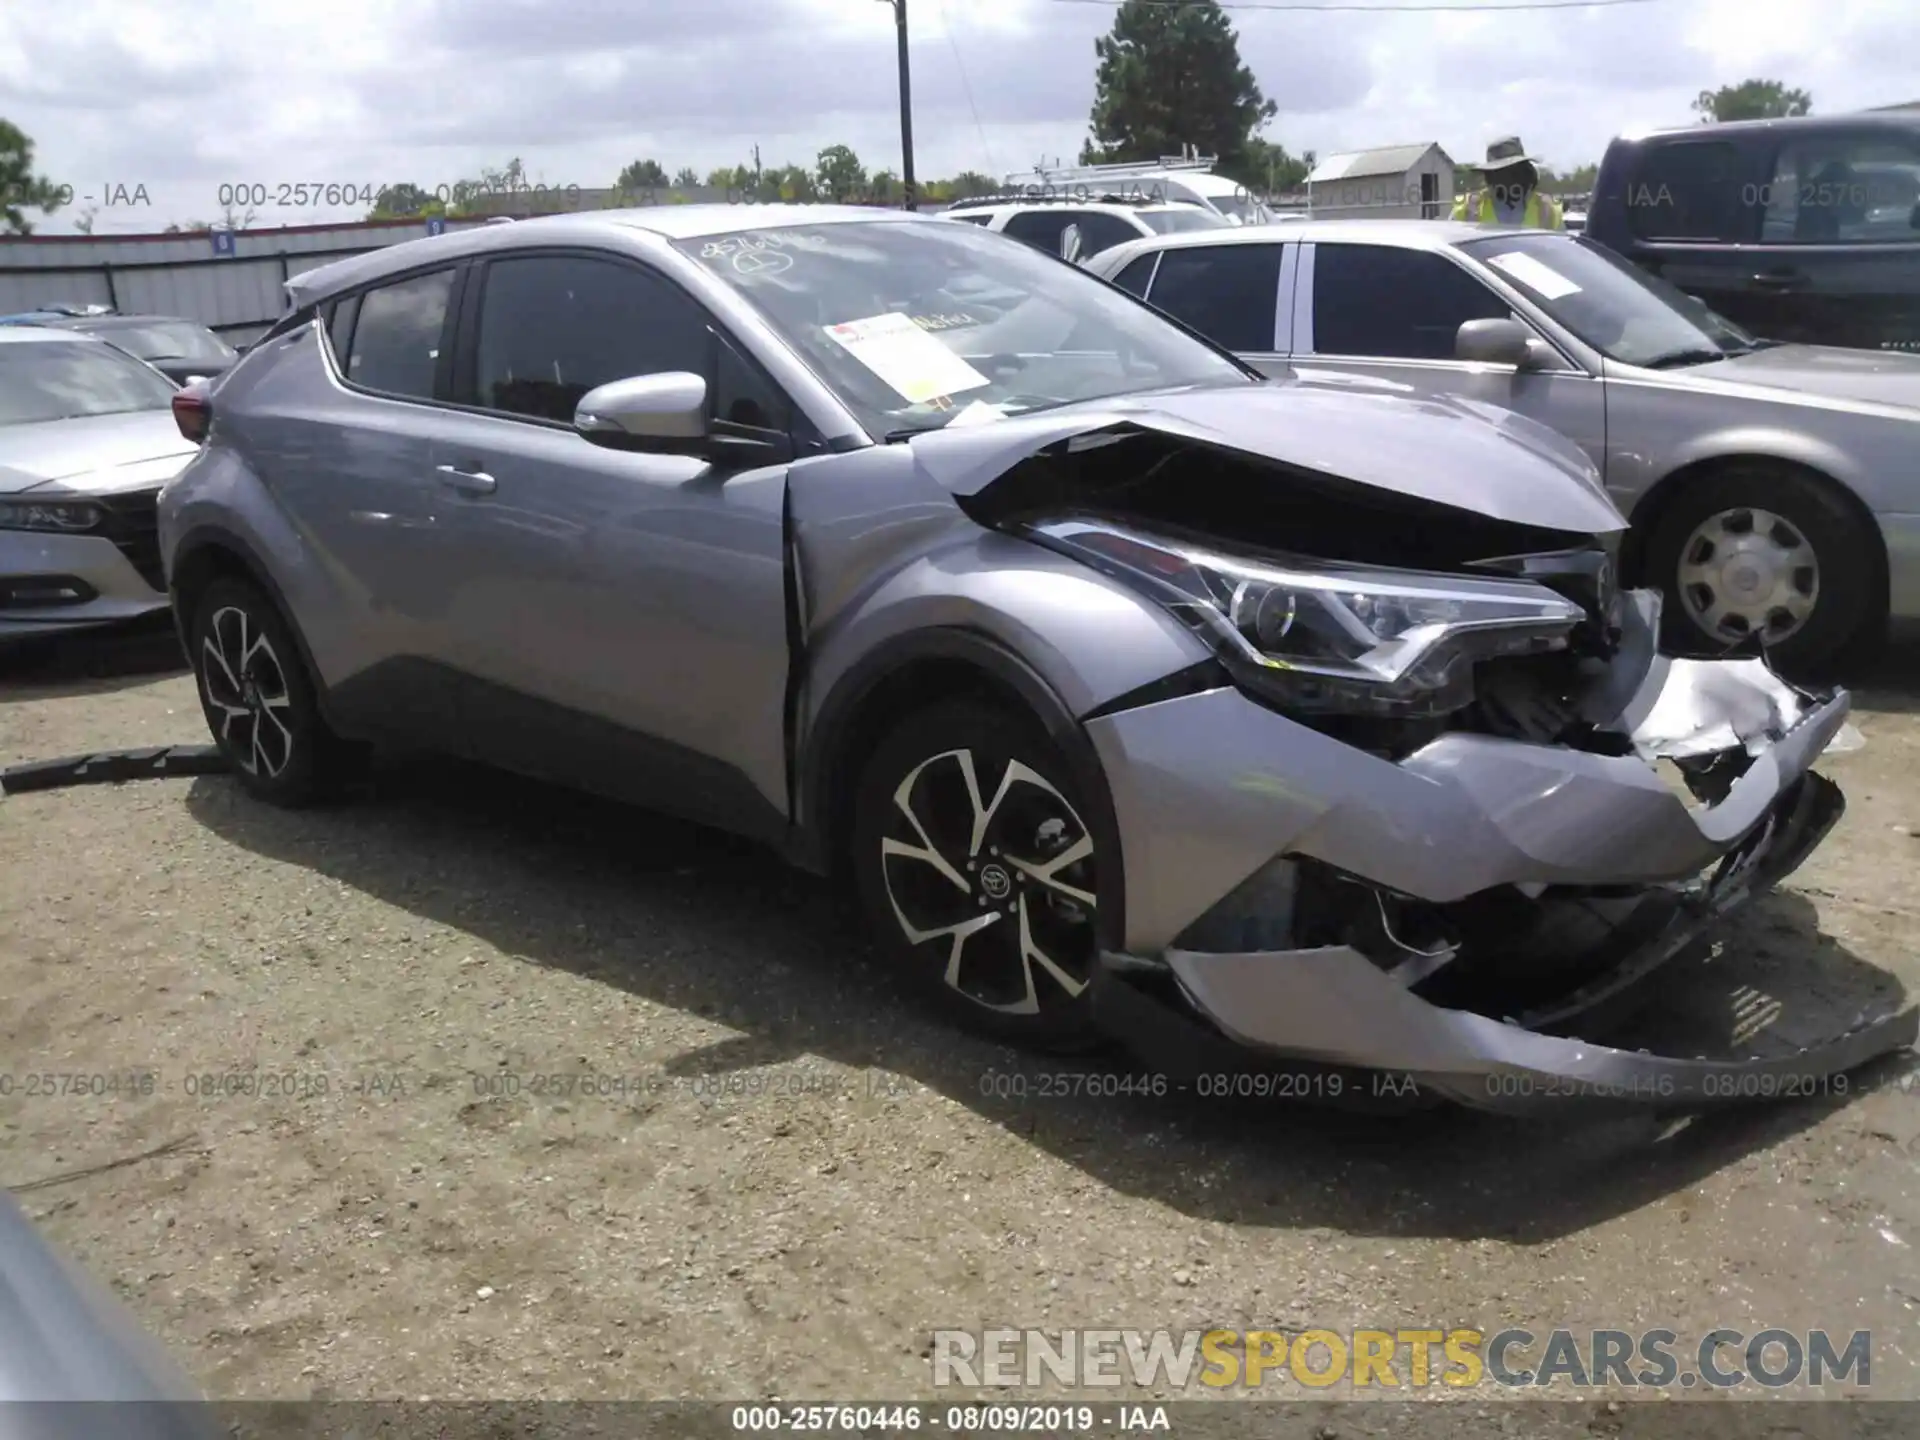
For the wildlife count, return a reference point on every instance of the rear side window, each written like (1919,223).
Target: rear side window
(1137,274)
(1686,191)
(1395,304)
(1101,231)
(1226,292)
(1041,229)
(553,327)
(1845,190)
(396,340)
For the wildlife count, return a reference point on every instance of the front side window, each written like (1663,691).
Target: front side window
(1226,292)
(1391,303)
(1610,303)
(1138,272)
(553,327)
(1848,190)
(911,322)
(1041,229)
(71,379)
(1686,191)
(396,341)
(1101,231)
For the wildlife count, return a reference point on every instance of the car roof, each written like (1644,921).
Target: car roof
(29,334)
(1407,234)
(1103,207)
(663,222)
(1905,123)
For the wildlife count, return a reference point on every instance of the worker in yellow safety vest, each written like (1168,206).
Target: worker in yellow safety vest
(1511,195)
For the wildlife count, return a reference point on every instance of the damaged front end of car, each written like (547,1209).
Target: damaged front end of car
(1434,806)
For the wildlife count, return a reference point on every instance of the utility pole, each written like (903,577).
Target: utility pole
(906,104)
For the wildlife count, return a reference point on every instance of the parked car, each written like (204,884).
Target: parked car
(68,1349)
(1093,225)
(1772,487)
(182,350)
(1804,230)
(87,437)
(1132,693)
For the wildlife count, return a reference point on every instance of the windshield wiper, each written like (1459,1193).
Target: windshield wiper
(1695,355)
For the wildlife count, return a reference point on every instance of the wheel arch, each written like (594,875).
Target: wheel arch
(207,553)
(1658,502)
(914,672)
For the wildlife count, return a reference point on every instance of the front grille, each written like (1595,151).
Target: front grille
(133,524)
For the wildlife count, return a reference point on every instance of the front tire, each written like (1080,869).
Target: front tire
(258,698)
(977,872)
(1754,551)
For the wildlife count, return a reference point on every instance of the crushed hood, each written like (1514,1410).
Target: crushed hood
(93,454)
(1450,452)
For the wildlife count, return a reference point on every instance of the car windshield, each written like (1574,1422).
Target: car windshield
(913,324)
(1170,222)
(1611,304)
(166,340)
(65,380)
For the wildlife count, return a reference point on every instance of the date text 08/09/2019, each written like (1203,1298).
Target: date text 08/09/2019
(1028,1419)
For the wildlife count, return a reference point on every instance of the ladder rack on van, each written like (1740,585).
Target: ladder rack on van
(1118,169)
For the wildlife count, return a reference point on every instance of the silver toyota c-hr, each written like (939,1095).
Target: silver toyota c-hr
(1134,694)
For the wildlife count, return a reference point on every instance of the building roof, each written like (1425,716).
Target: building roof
(1363,164)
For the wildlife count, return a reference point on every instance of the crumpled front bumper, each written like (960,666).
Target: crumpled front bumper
(1214,780)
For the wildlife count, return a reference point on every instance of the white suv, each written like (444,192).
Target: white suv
(1049,224)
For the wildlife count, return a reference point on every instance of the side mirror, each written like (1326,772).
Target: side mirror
(665,412)
(1494,342)
(1071,243)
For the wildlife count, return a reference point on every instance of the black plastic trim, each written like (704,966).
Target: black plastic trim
(1196,679)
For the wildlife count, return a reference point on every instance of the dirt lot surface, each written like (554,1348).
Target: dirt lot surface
(414,1211)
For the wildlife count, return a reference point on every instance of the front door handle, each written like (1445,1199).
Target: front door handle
(467,482)
(1780,280)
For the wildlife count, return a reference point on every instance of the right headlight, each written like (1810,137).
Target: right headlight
(1323,637)
(65,517)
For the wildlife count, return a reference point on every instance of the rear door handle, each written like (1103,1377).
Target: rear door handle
(467,482)
(1780,280)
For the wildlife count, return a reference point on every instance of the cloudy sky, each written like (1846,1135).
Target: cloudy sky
(179,97)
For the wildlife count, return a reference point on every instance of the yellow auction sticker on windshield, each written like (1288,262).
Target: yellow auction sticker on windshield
(1538,277)
(905,357)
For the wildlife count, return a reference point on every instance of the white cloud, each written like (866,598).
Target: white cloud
(184,96)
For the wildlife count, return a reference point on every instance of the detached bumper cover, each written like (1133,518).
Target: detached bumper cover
(1213,788)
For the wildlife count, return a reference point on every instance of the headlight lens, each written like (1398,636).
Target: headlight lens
(63,516)
(1332,638)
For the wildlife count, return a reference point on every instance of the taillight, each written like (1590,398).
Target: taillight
(192,411)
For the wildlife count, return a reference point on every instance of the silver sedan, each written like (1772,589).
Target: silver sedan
(1773,489)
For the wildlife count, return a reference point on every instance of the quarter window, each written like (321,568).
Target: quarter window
(1226,292)
(1381,300)
(396,341)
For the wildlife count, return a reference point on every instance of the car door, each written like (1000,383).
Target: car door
(348,461)
(620,618)
(1391,313)
(1691,219)
(1838,261)
(1238,294)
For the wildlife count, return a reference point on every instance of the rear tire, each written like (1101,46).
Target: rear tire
(1753,548)
(975,869)
(259,699)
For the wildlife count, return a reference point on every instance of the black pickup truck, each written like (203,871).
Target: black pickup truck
(1803,230)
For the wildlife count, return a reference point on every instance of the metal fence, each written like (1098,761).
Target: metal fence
(231,282)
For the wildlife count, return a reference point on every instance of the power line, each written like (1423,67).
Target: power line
(965,86)
(1392,9)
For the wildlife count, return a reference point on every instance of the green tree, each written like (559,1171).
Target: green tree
(642,175)
(403,201)
(969,183)
(20,189)
(838,174)
(685,178)
(1751,100)
(1170,76)
(1270,168)
(790,183)
(883,187)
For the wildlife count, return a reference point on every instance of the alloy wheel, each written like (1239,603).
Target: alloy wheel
(1746,573)
(246,686)
(1006,878)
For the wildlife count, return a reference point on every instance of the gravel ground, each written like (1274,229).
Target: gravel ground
(412,1213)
